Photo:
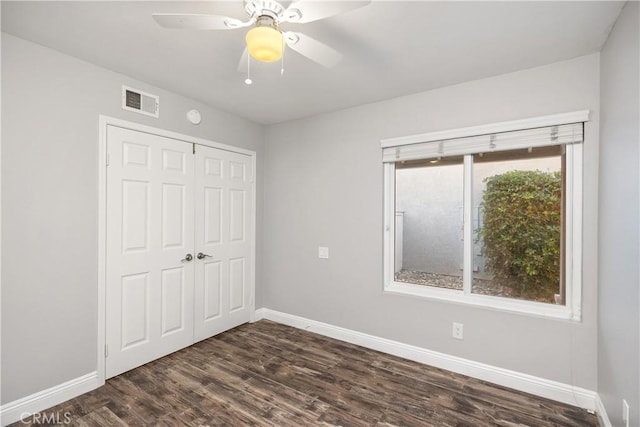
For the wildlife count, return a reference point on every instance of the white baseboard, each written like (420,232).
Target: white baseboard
(549,389)
(22,408)
(602,413)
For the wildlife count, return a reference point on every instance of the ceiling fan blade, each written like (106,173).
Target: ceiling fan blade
(312,49)
(198,22)
(242,64)
(308,11)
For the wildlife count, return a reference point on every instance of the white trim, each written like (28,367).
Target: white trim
(0,221)
(254,223)
(601,411)
(102,245)
(571,310)
(388,268)
(21,408)
(488,302)
(508,126)
(259,314)
(572,133)
(467,225)
(104,122)
(573,238)
(542,387)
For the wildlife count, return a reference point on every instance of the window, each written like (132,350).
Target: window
(429,232)
(489,216)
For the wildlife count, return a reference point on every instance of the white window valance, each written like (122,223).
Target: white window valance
(544,131)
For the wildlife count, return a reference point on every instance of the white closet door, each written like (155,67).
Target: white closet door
(224,202)
(149,301)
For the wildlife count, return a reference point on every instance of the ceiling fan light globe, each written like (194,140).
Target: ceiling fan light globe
(265,43)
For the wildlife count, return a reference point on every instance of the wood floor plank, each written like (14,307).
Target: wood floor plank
(490,393)
(299,405)
(298,373)
(104,417)
(321,355)
(267,374)
(418,400)
(412,396)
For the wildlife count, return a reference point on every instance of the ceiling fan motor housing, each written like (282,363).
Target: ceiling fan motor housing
(257,8)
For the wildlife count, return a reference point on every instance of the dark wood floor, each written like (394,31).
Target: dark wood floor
(273,375)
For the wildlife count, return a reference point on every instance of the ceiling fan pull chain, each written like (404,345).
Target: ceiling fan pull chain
(282,59)
(248,79)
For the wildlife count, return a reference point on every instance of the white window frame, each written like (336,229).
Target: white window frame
(572,310)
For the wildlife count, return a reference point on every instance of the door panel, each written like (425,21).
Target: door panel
(135,215)
(236,284)
(135,309)
(213,215)
(135,155)
(173,221)
(212,289)
(174,161)
(173,309)
(237,215)
(213,167)
(236,171)
(224,198)
(150,210)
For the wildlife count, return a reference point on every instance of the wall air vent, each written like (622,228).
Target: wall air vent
(140,102)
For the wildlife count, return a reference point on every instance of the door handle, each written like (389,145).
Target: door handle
(187,258)
(202,256)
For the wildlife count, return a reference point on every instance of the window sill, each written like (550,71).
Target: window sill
(483,301)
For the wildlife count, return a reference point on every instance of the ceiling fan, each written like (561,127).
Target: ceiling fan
(266,40)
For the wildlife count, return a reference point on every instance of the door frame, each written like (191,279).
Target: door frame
(104,122)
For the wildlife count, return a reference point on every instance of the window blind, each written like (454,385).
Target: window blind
(500,141)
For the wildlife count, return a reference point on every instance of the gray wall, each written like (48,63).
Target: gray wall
(51,104)
(619,242)
(323,184)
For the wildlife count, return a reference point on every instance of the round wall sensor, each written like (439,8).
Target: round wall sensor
(194,117)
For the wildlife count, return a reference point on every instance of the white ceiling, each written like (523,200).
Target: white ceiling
(391,48)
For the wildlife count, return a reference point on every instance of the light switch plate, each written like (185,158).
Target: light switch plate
(323,252)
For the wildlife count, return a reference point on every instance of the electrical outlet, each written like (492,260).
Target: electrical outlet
(625,412)
(458,331)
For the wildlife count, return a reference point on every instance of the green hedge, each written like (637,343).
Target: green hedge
(521,232)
